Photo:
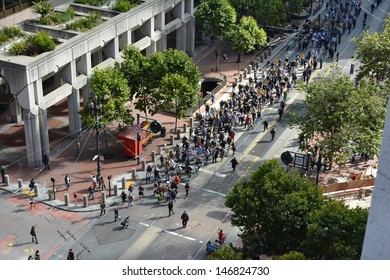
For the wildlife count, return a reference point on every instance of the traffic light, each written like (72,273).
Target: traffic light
(155,126)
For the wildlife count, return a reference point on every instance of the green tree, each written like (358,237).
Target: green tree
(292,255)
(266,12)
(217,18)
(335,232)
(246,36)
(227,253)
(339,116)
(271,209)
(373,50)
(135,67)
(177,91)
(112,93)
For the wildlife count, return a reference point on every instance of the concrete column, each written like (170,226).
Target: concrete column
(178,11)
(44,131)
(103,196)
(190,37)
(20,184)
(133,174)
(74,116)
(14,111)
(33,139)
(185,128)
(116,191)
(376,245)
(171,139)
(123,183)
(6,180)
(85,201)
(66,199)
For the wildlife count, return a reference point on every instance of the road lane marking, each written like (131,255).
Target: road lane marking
(214,192)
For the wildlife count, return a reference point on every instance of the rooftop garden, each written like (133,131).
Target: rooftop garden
(10,33)
(85,23)
(33,45)
(117,5)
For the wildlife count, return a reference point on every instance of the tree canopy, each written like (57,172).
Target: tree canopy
(283,214)
(217,17)
(112,92)
(373,50)
(246,36)
(341,116)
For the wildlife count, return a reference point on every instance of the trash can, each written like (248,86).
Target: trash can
(163,131)
(4,172)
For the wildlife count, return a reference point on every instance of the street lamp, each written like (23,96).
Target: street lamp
(319,165)
(109,177)
(96,108)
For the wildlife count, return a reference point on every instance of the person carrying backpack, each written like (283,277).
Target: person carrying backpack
(184,219)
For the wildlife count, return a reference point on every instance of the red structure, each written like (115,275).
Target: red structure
(128,134)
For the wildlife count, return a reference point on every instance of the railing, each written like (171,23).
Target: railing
(220,86)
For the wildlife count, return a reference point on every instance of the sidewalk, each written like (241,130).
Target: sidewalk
(80,170)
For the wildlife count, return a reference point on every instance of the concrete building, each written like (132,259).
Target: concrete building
(34,84)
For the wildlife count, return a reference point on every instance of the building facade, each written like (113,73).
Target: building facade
(37,83)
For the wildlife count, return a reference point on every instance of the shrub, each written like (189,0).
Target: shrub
(19,48)
(122,6)
(84,24)
(33,45)
(12,31)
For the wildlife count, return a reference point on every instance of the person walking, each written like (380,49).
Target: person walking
(233,148)
(46,162)
(71,255)
(273,132)
(265,125)
(123,197)
(77,148)
(31,202)
(221,236)
(130,200)
(33,235)
(67,182)
(102,209)
(91,192)
(234,163)
(184,219)
(187,188)
(37,255)
(32,184)
(116,215)
(170,208)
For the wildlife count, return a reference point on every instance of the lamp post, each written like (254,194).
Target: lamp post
(109,177)
(96,107)
(319,164)
(53,180)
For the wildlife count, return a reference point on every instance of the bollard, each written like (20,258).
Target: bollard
(116,190)
(133,174)
(143,166)
(6,180)
(66,199)
(269,51)
(20,184)
(261,58)
(171,139)
(104,197)
(85,201)
(177,135)
(123,183)
(191,122)
(185,128)
(250,69)
(265,54)
(245,73)
(153,156)
(240,78)
(235,81)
